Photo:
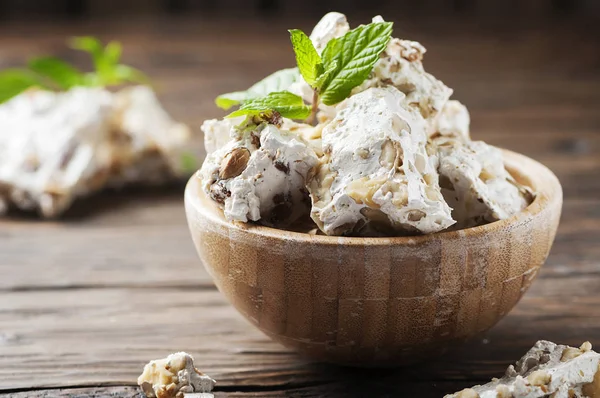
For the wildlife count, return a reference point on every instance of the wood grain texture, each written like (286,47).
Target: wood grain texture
(358,389)
(85,303)
(93,337)
(378,301)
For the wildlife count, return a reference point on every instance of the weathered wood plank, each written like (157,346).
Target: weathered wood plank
(358,388)
(87,392)
(92,336)
(151,246)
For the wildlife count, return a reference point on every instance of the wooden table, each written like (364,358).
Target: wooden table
(86,301)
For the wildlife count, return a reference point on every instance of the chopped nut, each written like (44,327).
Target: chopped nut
(389,154)
(234,163)
(586,346)
(467,393)
(572,352)
(539,378)
(363,189)
(219,192)
(363,153)
(415,215)
(503,392)
(592,390)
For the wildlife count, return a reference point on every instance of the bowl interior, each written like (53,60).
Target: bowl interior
(526,171)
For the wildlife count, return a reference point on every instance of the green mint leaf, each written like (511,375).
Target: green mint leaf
(308,59)
(326,74)
(189,162)
(355,53)
(58,71)
(14,81)
(285,103)
(112,53)
(127,74)
(106,62)
(90,45)
(226,101)
(278,81)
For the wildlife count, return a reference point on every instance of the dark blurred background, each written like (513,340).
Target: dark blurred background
(449,8)
(521,66)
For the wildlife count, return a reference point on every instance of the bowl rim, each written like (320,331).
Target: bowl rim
(542,180)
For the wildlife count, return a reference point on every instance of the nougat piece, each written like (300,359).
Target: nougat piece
(475,182)
(58,146)
(54,147)
(546,370)
(261,176)
(376,177)
(401,66)
(174,377)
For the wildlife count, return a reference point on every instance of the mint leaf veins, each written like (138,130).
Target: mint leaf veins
(355,54)
(285,103)
(308,59)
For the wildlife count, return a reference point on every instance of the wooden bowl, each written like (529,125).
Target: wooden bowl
(378,301)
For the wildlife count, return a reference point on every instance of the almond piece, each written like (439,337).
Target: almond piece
(234,163)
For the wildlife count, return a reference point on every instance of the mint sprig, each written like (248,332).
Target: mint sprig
(108,71)
(278,81)
(354,54)
(55,74)
(344,64)
(284,103)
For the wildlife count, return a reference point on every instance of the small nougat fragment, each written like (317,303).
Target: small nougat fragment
(331,26)
(261,176)
(174,377)
(217,132)
(376,177)
(475,182)
(452,121)
(546,370)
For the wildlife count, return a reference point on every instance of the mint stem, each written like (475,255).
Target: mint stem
(315,107)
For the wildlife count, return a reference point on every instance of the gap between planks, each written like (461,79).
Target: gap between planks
(356,389)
